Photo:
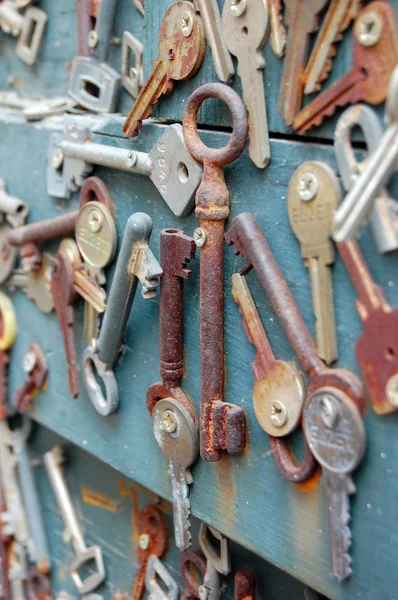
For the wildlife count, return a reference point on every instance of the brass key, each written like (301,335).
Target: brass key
(182,48)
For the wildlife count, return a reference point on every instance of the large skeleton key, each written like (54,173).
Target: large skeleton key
(222,425)
(380,166)
(135,263)
(374,56)
(182,48)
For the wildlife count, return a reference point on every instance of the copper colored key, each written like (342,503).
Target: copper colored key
(182,48)
(377,348)
(374,56)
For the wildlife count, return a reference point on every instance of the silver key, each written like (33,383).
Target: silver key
(211,18)
(156,570)
(135,262)
(13,213)
(53,461)
(217,561)
(169,165)
(29,28)
(335,433)
(178,439)
(384,217)
(246,30)
(380,167)
(35,284)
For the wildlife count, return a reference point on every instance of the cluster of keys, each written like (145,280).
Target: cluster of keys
(327,403)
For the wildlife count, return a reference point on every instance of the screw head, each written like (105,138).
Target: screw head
(368,29)
(29,362)
(307,187)
(170,422)
(95,221)
(58,159)
(187,24)
(392,390)
(329,411)
(92,39)
(143,541)
(278,413)
(199,236)
(131,159)
(238,7)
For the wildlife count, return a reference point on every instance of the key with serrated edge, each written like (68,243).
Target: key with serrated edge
(374,57)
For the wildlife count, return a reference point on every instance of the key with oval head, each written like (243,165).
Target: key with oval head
(246,30)
(313,197)
(222,424)
(301,17)
(278,32)
(182,48)
(380,166)
(384,217)
(374,56)
(335,432)
(136,262)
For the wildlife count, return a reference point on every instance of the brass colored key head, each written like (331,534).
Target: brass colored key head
(96,234)
(8,322)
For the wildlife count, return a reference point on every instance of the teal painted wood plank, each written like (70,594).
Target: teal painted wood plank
(244,497)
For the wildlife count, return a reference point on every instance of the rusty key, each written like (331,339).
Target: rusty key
(374,56)
(222,424)
(182,48)
(377,348)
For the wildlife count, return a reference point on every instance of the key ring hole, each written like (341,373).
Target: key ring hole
(182,172)
(390,353)
(218,157)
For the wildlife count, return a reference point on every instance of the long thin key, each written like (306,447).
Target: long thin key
(313,197)
(338,18)
(278,32)
(384,217)
(182,48)
(335,432)
(374,56)
(211,19)
(380,166)
(175,432)
(246,30)
(376,349)
(301,16)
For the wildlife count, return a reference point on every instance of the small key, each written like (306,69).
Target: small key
(182,48)
(135,263)
(301,16)
(35,284)
(335,432)
(176,434)
(380,166)
(167,589)
(246,30)
(278,32)
(376,349)
(211,19)
(374,56)
(13,213)
(313,197)
(29,28)
(384,217)
(338,17)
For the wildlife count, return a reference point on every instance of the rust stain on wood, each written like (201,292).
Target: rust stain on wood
(99,500)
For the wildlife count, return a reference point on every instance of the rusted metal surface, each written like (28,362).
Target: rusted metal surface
(249,241)
(94,188)
(192,565)
(153,539)
(176,250)
(36,374)
(286,461)
(245,586)
(99,500)
(377,348)
(48,229)
(85,12)
(368,78)
(38,586)
(222,425)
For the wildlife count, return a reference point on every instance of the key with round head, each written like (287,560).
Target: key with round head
(335,432)
(182,48)
(313,197)
(246,30)
(278,32)
(176,434)
(374,57)
(301,16)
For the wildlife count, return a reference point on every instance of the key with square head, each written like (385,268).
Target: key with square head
(29,28)
(36,284)
(338,17)
(182,48)
(380,166)
(159,583)
(246,30)
(374,56)
(177,436)
(335,432)
(211,19)
(278,32)
(313,197)
(215,548)
(301,17)
(384,217)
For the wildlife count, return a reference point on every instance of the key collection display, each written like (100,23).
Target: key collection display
(327,212)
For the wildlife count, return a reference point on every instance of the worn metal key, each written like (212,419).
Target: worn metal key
(181,52)
(13,213)
(313,197)
(374,56)
(29,28)
(278,32)
(222,425)
(135,263)
(246,30)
